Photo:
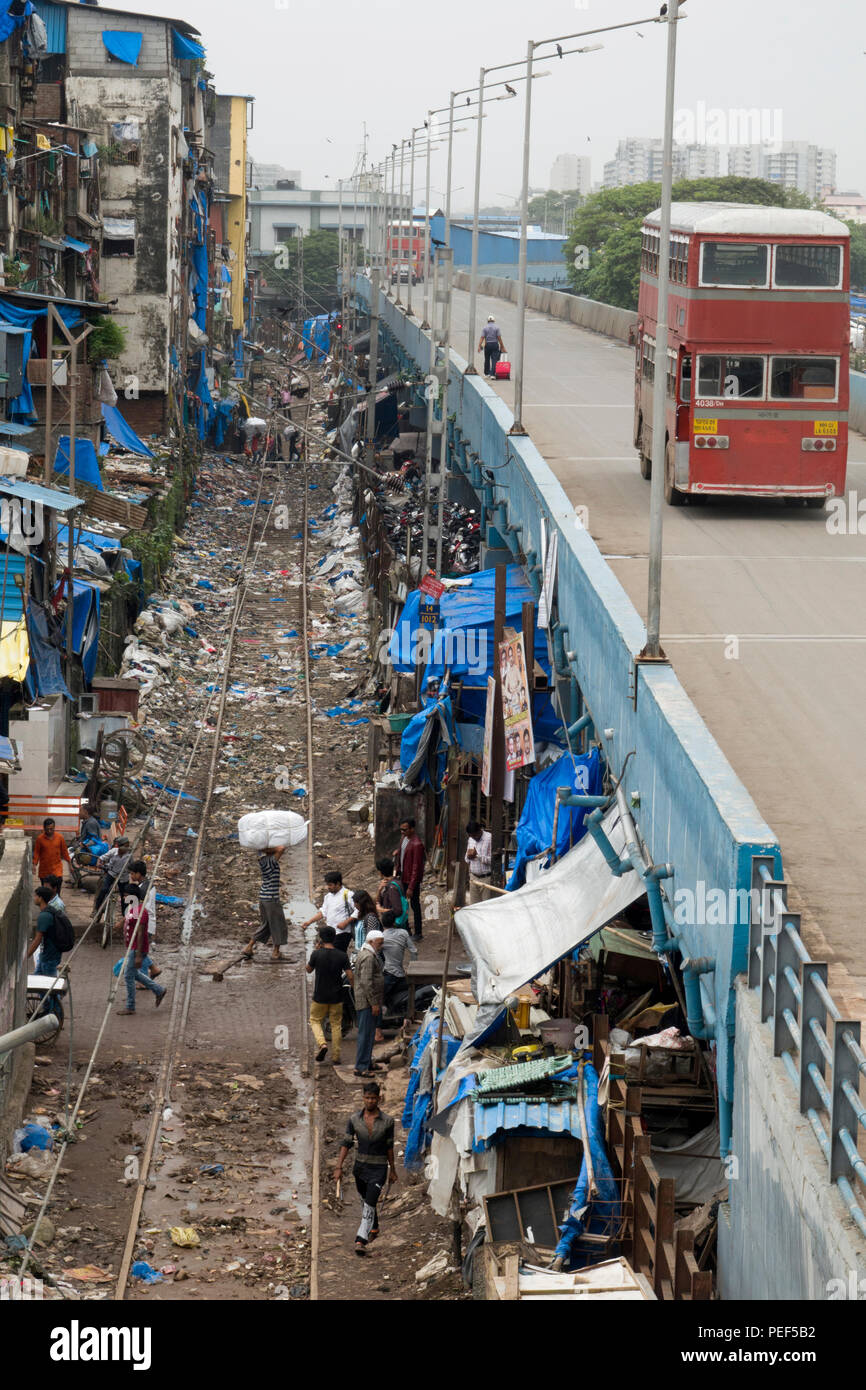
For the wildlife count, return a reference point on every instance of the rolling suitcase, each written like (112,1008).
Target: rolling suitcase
(503,369)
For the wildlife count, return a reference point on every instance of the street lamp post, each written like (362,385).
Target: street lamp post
(557,41)
(653,650)
(403,144)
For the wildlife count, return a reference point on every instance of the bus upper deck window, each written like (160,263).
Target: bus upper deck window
(802,266)
(734,263)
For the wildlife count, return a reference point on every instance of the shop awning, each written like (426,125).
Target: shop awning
(515,937)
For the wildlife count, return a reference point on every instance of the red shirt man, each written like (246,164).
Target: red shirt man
(412,858)
(49,851)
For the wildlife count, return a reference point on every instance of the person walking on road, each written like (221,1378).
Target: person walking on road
(338,910)
(45,937)
(49,851)
(397,942)
(369,997)
(135,925)
(479,856)
(373,1132)
(328,965)
(390,895)
(491,342)
(413,857)
(273,918)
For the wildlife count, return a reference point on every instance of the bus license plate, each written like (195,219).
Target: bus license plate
(826,426)
(706,426)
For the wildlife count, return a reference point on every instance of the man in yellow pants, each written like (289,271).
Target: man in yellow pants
(328,965)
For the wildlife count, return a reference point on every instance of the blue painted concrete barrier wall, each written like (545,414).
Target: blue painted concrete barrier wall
(693,812)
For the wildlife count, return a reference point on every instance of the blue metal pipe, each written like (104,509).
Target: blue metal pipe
(584,722)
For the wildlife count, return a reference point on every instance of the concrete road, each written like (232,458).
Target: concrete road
(786,700)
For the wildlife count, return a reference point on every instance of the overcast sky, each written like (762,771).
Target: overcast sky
(319,69)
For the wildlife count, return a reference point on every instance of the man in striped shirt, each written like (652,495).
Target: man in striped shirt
(270,905)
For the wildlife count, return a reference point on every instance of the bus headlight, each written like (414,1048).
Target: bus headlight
(817,446)
(712,441)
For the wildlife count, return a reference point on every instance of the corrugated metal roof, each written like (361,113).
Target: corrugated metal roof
(522,1073)
(32,492)
(54,19)
(12,427)
(12,564)
(555,1117)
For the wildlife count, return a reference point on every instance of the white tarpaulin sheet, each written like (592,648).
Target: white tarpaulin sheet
(514,938)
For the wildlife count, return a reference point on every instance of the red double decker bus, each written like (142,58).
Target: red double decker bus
(756,400)
(405,252)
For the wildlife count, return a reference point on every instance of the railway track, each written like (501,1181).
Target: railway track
(184,984)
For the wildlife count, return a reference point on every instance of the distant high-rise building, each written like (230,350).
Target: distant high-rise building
(570,173)
(795,164)
(639,160)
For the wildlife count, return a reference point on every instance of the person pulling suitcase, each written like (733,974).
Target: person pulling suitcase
(491,342)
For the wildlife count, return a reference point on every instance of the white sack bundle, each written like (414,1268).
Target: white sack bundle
(270,829)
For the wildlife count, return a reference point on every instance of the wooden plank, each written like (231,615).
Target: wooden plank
(664,1230)
(512,1279)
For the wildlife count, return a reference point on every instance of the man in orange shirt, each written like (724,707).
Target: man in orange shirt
(49,851)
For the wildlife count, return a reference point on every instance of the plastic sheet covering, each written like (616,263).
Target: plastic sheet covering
(464,640)
(535,827)
(513,939)
(9,22)
(429,732)
(695,1164)
(419,1093)
(122,433)
(86,462)
(123,45)
(85,626)
(48,677)
(184,47)
(601,1214)
(21,408)
(14,650)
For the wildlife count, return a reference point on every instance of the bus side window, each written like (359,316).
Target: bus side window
(686,379)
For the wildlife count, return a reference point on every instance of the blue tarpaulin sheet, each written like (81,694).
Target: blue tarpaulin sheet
(185,47)
(44,658)
(91,538)
(86,462)
(81,246)
(122,433)
(428,733)
(21,408)
(595,1204)
(9,22)
(534,831)
(85,626)
(463,644)
(198,283)
(123,45)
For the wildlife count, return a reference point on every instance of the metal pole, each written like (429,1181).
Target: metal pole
(517,427)
(400,222)
(49,399)
(411,225)
(390,242)
(73,425)
(448,175)
(473,285)
(657,482)
(426,323)
(447,259)
(428,451)
(372,364)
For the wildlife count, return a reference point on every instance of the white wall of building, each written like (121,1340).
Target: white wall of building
(570,173)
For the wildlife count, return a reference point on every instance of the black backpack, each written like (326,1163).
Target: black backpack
(64,932)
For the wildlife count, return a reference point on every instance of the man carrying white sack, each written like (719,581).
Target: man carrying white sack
(273,926)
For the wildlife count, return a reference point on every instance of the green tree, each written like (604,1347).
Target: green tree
(858,256)
(609,225)
(548,207)
(321,256)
